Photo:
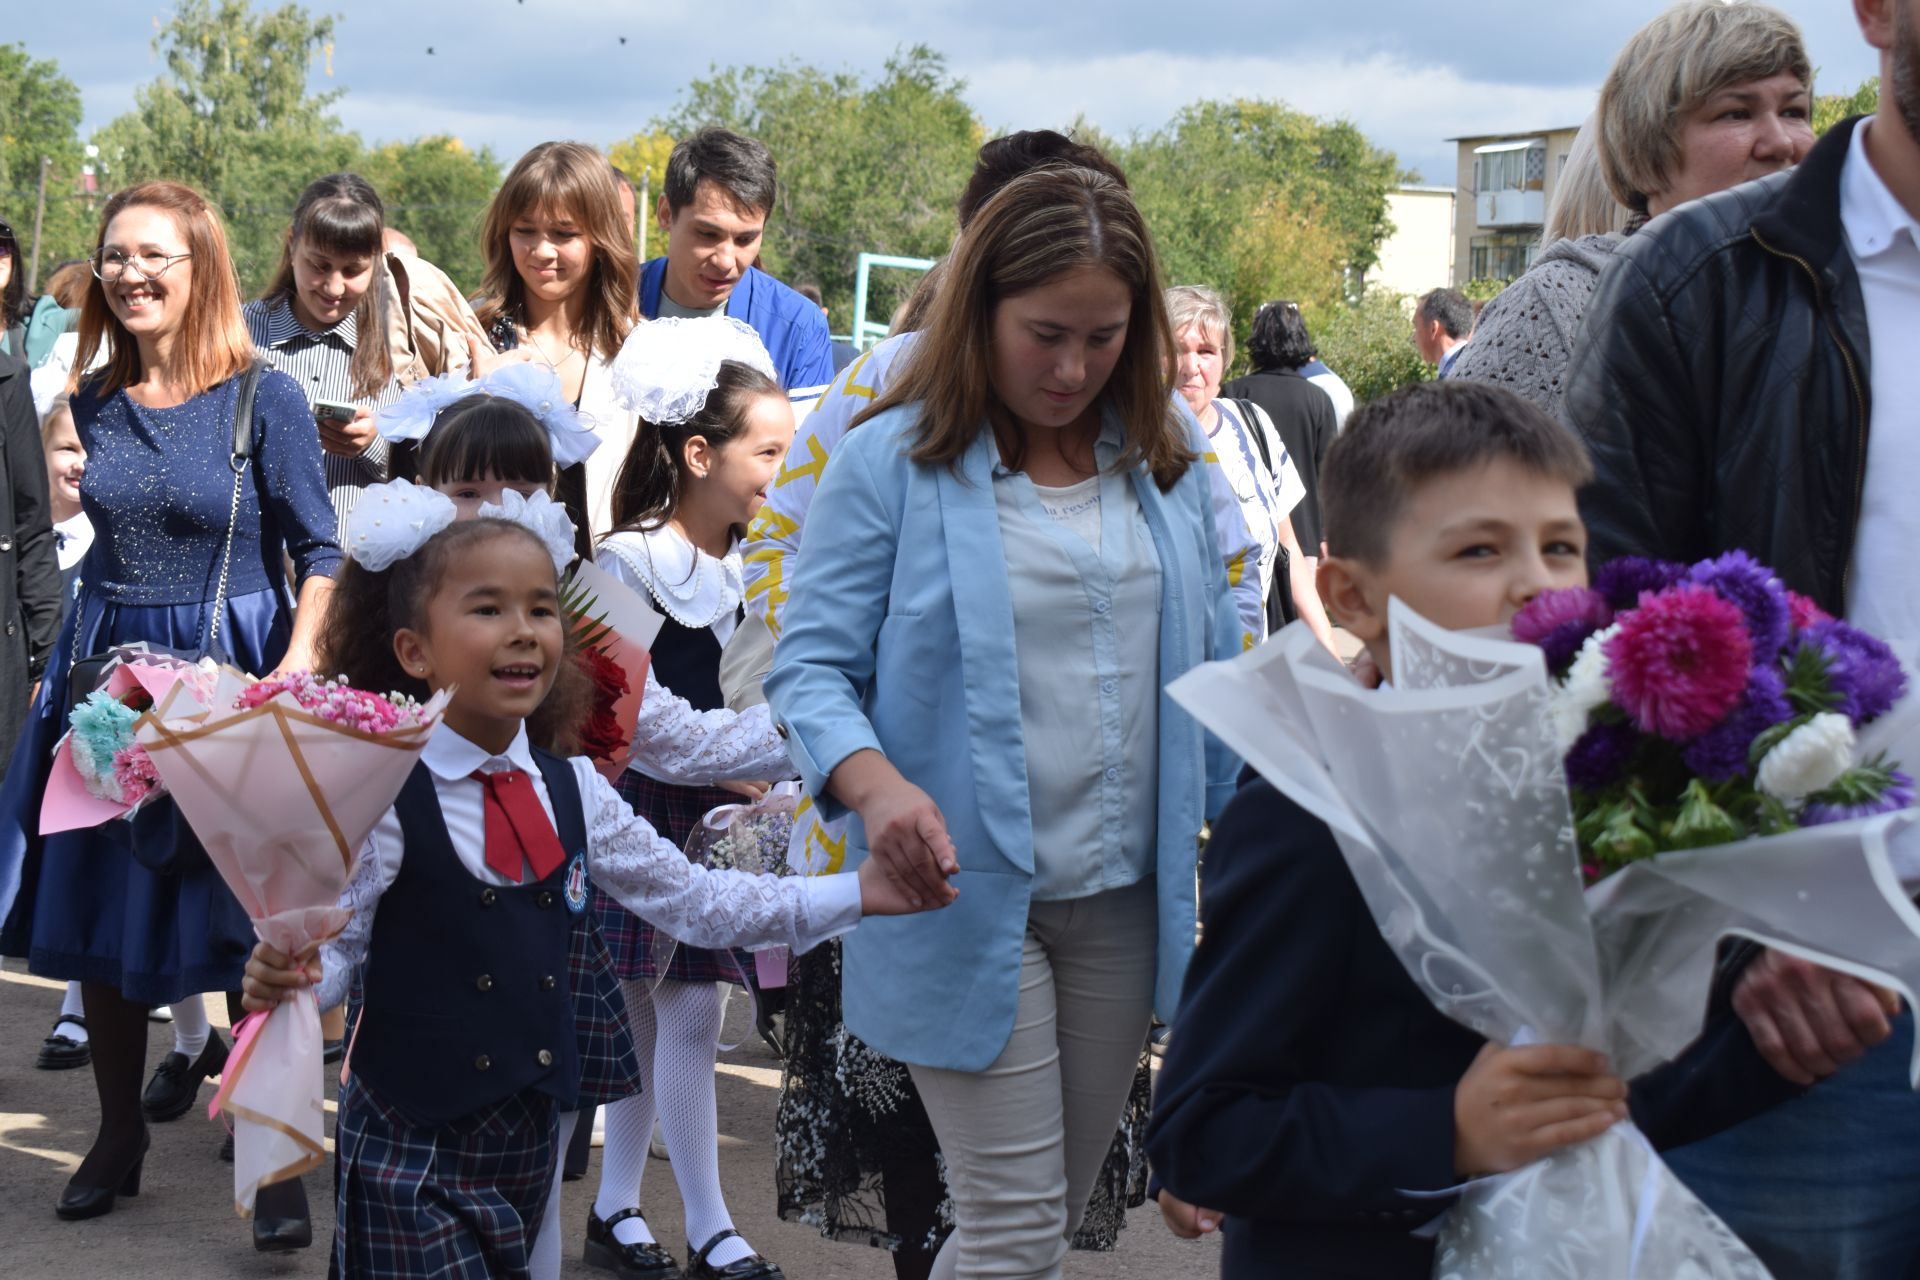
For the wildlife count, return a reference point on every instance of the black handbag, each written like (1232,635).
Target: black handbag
(84,674)
(1279,603)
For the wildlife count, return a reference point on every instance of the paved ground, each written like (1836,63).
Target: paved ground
(182,1224)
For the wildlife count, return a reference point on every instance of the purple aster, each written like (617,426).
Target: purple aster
(1721,753)
(1744,581)
(1601,756)
(1559,622)
(1861,670)
(1897,794)
(1623,581)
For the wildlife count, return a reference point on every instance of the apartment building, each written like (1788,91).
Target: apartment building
(1505,182)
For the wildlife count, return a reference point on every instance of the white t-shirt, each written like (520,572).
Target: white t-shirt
(1884,591)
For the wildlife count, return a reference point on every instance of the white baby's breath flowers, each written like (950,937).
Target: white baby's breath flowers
(1809,759)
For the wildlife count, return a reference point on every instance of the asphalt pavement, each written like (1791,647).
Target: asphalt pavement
(183,1225)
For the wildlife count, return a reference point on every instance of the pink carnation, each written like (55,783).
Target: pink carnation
(1679,663)
(134,771)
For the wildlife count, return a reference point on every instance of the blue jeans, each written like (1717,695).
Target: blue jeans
(1826,1187)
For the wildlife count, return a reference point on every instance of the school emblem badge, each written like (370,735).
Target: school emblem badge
(576,883)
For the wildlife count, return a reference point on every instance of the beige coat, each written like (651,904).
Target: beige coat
(427,333)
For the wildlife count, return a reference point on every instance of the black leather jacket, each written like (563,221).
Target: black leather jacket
(1721,382)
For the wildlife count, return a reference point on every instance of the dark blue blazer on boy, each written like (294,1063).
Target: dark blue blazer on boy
(1309,1082)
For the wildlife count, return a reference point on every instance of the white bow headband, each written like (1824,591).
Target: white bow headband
(667,368)
(394,520)
(533,387)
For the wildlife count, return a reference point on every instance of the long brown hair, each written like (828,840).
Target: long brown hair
(341,214)
(647,491)
(574,178)
(213,344)
(1040,226)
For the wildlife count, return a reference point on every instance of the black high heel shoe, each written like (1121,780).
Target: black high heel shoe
(78,1202)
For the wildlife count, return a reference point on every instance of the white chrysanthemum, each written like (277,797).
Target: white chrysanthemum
(1809,759)
(1585,689)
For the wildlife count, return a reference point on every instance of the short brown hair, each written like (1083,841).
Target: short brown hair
(1039,227)
(213,345)
(1393,445)
(573,177)
(1672,65)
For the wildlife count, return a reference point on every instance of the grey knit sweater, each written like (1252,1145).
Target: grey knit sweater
(1525,337)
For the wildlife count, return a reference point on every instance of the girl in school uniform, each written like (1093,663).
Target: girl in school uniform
(476,450)
(465,894)
(714,428)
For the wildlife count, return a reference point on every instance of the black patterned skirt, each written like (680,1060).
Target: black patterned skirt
(460,1202)
(609,1067)
(855,1155)
(674,812)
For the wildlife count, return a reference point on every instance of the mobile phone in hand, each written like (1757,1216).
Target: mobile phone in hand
(337,412)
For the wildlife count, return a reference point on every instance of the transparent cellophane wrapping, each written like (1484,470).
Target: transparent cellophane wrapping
(1446,795)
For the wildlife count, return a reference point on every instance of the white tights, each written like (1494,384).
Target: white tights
(676,1032)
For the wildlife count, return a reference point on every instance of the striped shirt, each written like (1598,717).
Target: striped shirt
(322,363)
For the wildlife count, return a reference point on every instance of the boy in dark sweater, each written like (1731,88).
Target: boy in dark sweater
(1310,1085)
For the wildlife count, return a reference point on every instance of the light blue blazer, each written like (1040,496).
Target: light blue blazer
(899,637)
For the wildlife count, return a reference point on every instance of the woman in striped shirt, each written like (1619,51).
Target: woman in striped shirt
(323,321)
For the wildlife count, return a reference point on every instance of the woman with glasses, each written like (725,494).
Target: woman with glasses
(188,550)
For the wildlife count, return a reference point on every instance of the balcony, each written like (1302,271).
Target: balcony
(1510,208)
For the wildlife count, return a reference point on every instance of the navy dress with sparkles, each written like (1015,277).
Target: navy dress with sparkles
(158,489)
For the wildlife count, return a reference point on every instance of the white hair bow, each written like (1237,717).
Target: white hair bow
(535,388)
(667,368)
(391,521)
(546,518)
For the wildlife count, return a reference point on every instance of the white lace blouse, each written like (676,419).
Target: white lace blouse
(649,876)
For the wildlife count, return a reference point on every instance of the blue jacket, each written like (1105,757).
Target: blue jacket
(899,637)
(793,328)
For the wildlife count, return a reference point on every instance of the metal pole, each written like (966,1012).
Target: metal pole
(646,209)
(39,216)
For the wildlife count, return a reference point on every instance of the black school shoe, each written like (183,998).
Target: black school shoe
(176,1081)
(751,1267)
(60,1052)
(647,1261)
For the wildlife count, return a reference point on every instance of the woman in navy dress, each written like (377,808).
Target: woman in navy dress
(110,907)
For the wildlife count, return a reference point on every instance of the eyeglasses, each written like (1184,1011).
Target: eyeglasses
(109,267)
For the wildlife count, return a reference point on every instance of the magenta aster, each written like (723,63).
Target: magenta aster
(1559,622)
(1680,661)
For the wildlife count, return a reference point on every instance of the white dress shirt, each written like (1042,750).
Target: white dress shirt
(1883,594)
(647,875)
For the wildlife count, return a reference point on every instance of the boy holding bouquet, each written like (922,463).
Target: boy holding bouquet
(1312,1093)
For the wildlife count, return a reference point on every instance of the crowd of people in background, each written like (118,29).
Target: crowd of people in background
(943,580)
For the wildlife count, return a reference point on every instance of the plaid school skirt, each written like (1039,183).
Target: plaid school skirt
(609,1067)
(461,1202)
(674,811)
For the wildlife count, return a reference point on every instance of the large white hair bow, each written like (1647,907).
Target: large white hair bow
(667,368)
(391,521)
(548,520)
(533,387)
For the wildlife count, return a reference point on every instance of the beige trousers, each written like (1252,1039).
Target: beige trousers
(1024,1139)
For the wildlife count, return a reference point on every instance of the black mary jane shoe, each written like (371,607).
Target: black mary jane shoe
(751,1267)
(226,1148)
(281,1221)
(650,1261)
(78,1202)
(176,1081)
(63,1053)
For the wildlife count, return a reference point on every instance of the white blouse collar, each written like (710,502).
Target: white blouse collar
(691,587)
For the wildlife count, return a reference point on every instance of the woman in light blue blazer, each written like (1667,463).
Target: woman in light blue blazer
(1008,559)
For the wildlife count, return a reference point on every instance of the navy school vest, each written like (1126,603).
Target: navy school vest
(467,996)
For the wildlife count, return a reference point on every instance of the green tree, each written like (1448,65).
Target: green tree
(1831,109)
(875,168)
(40,117)
(1370,345)
(436,190)
(233,116)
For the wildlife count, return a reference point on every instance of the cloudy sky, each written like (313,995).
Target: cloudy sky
(509,73)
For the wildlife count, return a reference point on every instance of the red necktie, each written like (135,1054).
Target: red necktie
(517,827)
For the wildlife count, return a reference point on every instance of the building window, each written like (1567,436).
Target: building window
(1501,257)
(1511,167)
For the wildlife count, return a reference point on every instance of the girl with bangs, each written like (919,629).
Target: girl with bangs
(560,289)
(190,546)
